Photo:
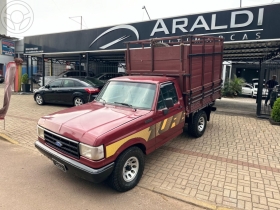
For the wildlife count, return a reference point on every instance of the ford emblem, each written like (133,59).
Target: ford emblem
(59,144)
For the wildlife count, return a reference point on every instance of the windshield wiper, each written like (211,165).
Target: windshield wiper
(124,104)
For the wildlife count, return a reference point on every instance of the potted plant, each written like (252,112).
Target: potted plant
(25,87)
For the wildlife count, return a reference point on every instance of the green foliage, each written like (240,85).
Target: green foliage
(24,78)
(275,114)
(233,87)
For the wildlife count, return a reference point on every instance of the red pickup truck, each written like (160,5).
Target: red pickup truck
(173,82)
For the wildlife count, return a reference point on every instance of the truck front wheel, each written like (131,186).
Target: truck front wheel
(128,170)
(198,125)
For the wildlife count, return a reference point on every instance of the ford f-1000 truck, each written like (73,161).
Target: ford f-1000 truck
(172,82)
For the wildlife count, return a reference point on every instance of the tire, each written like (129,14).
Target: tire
(128,170)
(78,101)
(252,95)
(39,99)
(198,126)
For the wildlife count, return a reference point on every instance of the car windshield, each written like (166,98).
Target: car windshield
(132,94)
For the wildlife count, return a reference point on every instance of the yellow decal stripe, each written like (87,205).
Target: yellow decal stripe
(155,130)
(174,123)
(164,124)
(112,148)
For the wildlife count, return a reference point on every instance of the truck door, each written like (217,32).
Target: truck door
(169,123)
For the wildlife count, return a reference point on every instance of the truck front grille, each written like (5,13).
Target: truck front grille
(62,144)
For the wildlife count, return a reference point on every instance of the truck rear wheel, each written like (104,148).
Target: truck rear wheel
(198,125)
(128,170)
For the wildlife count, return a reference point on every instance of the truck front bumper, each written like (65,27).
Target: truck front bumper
(74,167)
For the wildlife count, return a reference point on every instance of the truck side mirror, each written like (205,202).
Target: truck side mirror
(168,103)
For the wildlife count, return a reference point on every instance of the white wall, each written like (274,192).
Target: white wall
(19,46)
(4,59)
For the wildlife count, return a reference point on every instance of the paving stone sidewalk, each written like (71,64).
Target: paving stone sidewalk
(235,164)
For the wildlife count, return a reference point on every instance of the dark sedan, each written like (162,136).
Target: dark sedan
(2,79)
(68,91)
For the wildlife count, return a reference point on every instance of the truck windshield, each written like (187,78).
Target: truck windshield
(136,95)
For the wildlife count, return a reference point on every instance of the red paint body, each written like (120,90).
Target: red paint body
(196,78)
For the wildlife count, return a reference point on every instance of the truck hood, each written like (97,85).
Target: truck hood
(85,123)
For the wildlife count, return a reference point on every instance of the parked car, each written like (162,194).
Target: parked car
(256,80)
(70,91)
(106,76)
(69,73)
(275,94)
(2,79)
(252,90)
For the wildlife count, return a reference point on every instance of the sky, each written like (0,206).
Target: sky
(53,16)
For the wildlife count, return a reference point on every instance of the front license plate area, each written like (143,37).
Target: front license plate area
(61,166)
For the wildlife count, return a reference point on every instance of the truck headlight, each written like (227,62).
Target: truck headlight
(40,132)
(93,153)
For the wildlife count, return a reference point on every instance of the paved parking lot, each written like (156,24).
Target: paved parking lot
(235,164)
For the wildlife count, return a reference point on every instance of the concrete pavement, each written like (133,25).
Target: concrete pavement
(235,164)
(29,181)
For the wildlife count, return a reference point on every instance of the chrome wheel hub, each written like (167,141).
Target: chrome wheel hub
(39,99)
(201,124)
(130,169)
(78,102)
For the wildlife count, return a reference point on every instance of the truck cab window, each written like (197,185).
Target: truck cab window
(166,91)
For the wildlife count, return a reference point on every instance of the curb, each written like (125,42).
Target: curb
(184,198)
(7,138)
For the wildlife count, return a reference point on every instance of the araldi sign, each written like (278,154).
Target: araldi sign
(245,24)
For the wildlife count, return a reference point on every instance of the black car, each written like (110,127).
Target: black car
(104,77)
(68,73)
(2,79)
(69,91)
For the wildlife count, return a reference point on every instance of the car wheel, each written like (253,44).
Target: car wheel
(39,99)
(128,170)
(198,126)
(78,101)
(252,95)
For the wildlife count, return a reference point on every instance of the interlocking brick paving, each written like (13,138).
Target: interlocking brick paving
(234,164)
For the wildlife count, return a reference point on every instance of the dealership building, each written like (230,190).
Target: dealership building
(251,42)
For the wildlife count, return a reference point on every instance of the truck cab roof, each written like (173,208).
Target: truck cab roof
(147,79)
